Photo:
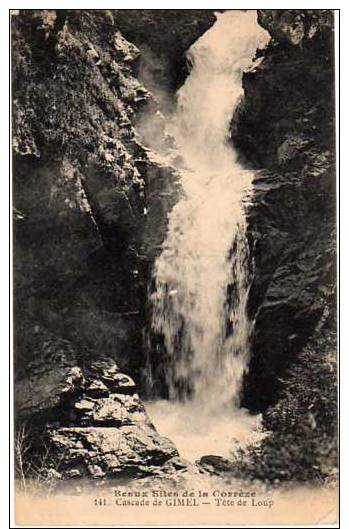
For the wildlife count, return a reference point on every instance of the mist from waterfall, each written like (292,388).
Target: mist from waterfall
(202,275)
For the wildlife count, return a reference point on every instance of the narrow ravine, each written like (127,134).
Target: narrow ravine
(203,274)
(174,267)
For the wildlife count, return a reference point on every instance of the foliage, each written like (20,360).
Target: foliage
(302,425)
(36,471)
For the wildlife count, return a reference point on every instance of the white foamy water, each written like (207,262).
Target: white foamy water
(197,432)
(205,251)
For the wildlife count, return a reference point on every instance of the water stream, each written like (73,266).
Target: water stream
(203,274)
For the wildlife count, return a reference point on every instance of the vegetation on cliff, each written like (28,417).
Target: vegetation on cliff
(285,128)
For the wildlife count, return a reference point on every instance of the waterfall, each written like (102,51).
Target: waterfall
(205,255)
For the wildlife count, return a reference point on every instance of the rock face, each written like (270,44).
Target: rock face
(85,419)
(289,95)
(285,127)
(90,213)
(86,189)
(163,36)
(90,198)
(295,26)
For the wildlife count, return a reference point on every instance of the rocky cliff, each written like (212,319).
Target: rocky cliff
(285,130)
(91,199)
(164,36)
(90,206)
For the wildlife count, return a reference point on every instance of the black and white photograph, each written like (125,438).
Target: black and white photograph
(174,267)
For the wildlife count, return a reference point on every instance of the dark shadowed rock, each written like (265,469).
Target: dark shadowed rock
(285,127)
(86,190)
(295,26)
(163,36)
(216,465)
(90,215)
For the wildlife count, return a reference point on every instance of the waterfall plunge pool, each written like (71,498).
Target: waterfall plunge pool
(198,434)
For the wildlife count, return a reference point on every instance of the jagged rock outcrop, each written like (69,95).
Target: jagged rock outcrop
(289,96)
(285,127)
(84,418)
(295,26)
(163,36)
(90,212)
(86,189)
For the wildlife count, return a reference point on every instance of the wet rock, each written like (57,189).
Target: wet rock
(295,26)
(97,389)
(129,450)
(81,181)
(216,465)
(288,94)
(88,429)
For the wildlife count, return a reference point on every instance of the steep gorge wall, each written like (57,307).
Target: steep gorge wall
(90,213)
(90,199)
(285,128)
(163,36)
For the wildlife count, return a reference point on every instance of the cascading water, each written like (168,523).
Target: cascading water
(205,254)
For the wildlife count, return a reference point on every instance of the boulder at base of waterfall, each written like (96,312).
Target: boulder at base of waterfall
(216,465)
(76,419)
(134,450)
(176,473)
